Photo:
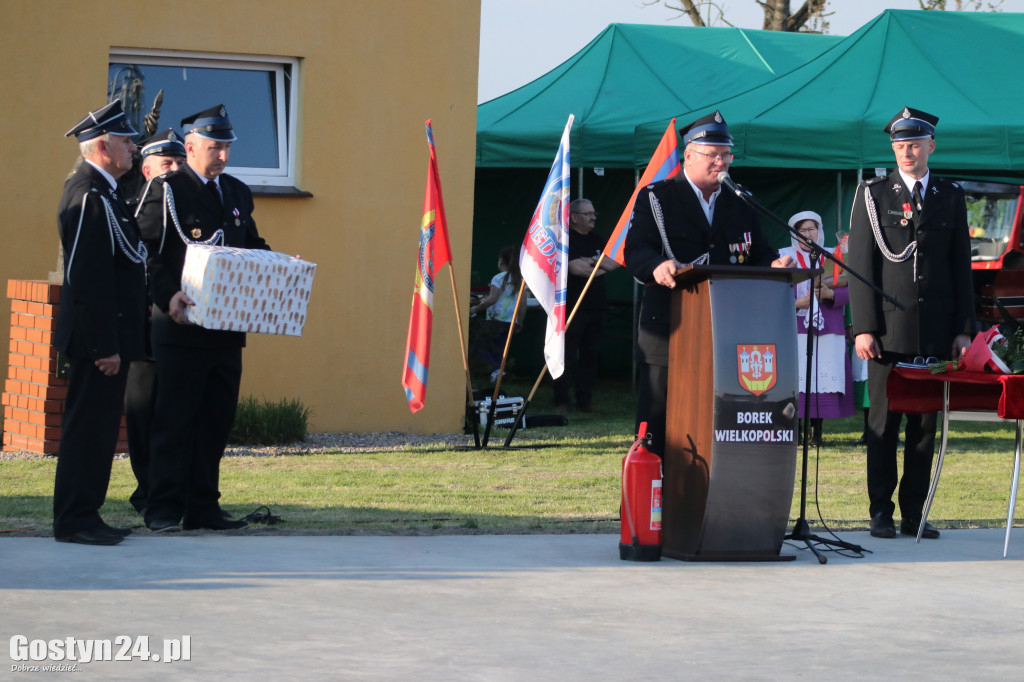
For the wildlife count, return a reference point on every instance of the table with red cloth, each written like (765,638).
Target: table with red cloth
(918,390)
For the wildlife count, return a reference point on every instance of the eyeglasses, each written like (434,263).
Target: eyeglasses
(593,213)
(724,158)
(921,360)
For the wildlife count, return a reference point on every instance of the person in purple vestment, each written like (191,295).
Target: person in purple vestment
(820,304)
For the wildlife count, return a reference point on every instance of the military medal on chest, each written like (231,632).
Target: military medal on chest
(197,233)
(744,247)
(238,220)
(908,213)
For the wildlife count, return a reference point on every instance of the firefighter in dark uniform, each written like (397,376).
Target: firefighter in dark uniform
(99,325)
(686,219)
(909,236)
(198,370)
(162,153)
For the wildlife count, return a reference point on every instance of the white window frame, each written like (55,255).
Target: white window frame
(287,112)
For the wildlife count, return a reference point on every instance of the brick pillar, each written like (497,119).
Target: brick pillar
(33,397)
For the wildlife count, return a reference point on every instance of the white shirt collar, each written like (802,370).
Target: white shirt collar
(105,174)
(909,181)
(709,204)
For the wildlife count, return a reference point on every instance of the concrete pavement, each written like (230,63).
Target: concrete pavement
(537,607)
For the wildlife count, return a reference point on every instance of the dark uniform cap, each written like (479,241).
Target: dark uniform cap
(108,119)
(710,129)
(212,124)
(911,124)
(167,143)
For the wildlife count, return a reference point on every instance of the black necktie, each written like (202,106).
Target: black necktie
(211,188)
(918,200)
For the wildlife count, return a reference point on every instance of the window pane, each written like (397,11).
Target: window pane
(247,94)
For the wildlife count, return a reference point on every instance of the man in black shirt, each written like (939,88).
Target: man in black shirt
(583,336)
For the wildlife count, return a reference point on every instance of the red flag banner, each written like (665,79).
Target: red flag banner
(664,164)
(434,253)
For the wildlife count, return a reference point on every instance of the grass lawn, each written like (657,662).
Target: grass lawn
(552,480)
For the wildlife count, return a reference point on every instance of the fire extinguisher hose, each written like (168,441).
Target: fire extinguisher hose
(625,494)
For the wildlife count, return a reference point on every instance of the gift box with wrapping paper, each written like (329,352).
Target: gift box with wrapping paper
(247,290)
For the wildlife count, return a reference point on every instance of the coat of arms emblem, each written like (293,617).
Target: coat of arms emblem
(755,366)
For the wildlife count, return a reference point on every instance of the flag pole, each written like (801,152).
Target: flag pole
(522,413)
(470,403)
(504,358)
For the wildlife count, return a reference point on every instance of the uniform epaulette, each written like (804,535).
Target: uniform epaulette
(661,183)
(871,181)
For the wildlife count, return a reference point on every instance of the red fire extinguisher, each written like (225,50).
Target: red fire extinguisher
(640,539)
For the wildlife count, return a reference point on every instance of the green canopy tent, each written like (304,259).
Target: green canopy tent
(824,120)
(631,73)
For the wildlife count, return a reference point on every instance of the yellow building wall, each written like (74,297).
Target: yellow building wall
(371,73)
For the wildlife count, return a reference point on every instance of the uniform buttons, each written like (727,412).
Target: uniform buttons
(920,300)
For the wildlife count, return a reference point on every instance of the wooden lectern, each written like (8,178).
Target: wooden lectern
(732,424)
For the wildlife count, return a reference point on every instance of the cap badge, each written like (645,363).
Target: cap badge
(718,117)
(906,112)
(222,111)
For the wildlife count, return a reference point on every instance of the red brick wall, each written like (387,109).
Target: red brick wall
(33,396)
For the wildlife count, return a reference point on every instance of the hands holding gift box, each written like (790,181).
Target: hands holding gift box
(178,309)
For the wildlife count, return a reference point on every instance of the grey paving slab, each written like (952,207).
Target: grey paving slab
(541,607)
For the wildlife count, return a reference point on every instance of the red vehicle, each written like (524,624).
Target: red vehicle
(994,214)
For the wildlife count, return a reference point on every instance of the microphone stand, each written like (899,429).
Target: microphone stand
(746,197)
(801,530)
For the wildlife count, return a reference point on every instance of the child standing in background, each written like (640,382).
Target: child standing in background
(500,304)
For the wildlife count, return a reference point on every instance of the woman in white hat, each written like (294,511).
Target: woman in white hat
(820,303)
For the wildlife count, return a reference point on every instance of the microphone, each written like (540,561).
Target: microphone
(724,179)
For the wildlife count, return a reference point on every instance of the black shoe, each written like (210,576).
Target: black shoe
(863,440)
(123,532)
(91,536)
(216,523)
(163,526)
(909,527)
(882,526)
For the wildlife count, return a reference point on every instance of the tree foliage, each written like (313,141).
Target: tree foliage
(810,17)
(962,5)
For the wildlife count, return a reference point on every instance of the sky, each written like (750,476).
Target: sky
(521,40)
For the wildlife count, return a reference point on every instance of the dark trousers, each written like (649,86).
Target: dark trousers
(197,393)
(139,406)
(582,356)
(489,344)
(92,419)
(652,399)
(883,434)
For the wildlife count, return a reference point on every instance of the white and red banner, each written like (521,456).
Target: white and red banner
(544,258)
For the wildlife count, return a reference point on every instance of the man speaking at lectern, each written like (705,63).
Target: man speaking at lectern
(686,219)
